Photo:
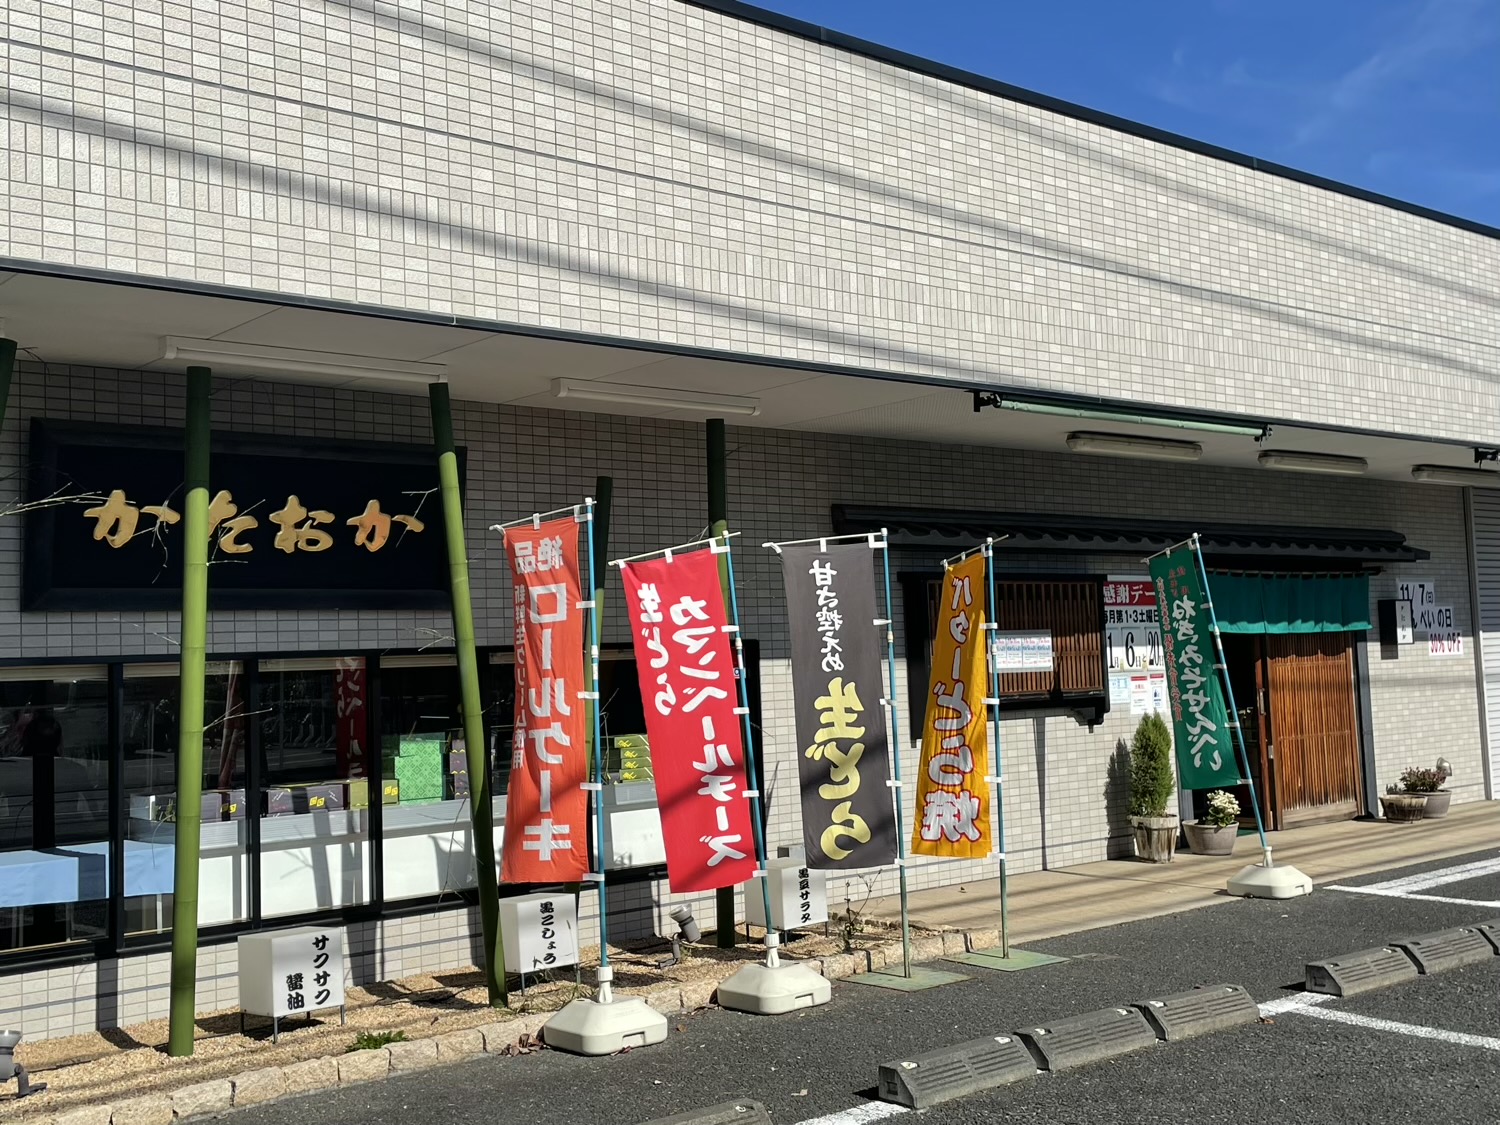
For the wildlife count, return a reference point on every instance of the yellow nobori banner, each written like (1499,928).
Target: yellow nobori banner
(953,797)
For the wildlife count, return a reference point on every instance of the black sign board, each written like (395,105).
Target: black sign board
(304,523)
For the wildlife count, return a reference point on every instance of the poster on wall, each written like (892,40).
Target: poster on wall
(848,820)
(1133,650)
(1023,651)
(1443,637)
(686,669)
(953,797)
(546,811)
(1200,721)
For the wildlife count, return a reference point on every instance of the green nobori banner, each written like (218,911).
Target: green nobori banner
(1200,721)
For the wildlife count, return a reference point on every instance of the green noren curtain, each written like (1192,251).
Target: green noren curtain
(1291,603)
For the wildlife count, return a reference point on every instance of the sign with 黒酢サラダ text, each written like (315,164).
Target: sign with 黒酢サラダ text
(315,523)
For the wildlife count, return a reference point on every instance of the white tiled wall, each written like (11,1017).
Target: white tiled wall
(650,170)
(782,485)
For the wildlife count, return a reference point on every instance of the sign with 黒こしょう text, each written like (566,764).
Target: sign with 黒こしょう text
(541,932)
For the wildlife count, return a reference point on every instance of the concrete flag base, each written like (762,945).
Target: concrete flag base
(593,1027)
(1259,881)
(767,991)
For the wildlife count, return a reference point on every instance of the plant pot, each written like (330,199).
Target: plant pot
(1210,839)
(1155,837)
(1437,804)
(1403,808)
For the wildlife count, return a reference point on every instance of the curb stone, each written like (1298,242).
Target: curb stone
(204,1099)
(149,1109)
(270,1084)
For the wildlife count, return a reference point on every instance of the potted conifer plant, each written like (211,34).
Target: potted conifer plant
(1218,828)
(1151,786)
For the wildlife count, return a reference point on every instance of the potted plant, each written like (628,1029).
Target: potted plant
(1403,807)
(1428,783)
(1215,831)
(1151,786)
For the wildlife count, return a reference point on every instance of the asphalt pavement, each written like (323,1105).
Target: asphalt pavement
(1344,1064)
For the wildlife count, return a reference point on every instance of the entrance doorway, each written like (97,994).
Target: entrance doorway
(1298,710)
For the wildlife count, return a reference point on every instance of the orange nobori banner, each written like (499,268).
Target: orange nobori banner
(953,795)
(546,814)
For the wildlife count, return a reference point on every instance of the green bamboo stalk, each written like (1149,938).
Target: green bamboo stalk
(7,368)
(718,519)
(183,1009)
(473,712)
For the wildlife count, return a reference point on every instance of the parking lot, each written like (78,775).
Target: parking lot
(1425,1050)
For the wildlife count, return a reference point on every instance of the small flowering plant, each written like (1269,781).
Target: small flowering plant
(1414,780)
(1223,810)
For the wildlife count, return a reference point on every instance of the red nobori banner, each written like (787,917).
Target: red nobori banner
(686,668)
(546,810)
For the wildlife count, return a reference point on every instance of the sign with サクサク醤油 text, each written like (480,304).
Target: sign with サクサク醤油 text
(293,522)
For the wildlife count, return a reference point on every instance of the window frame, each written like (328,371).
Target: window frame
(116,942)
(919,624)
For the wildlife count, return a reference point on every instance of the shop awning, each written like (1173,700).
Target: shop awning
(1291,603)
(943,529)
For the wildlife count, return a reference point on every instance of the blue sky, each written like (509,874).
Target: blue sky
(1396,96)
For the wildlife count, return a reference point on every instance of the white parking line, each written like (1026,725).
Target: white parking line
(859,1115)
(1372,1023)
(1293,1003)
(1411,886)
(1427,879)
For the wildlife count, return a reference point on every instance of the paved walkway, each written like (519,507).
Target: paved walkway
(1047,904)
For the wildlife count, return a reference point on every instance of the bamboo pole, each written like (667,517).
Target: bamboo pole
(7,369)
(481,811)
(184,978)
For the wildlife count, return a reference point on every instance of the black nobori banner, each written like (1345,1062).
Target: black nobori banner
(848,820)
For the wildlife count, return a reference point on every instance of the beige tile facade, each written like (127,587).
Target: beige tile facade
(651,170)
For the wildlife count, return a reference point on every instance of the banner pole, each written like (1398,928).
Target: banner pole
(993,645)
(596,765)
(1234,714)
(717,455)
(773,938)
(893,721)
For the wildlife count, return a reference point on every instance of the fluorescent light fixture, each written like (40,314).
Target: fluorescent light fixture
(663,398)
(1463,478)
(292,361)
(1006,401)
(1296,462)
(1122,445)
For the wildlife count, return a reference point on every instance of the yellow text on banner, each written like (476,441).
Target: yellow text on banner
(953,798)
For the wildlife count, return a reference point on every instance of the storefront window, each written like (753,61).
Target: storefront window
(314,745)
(149,724)
(425,824)
(54,806)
